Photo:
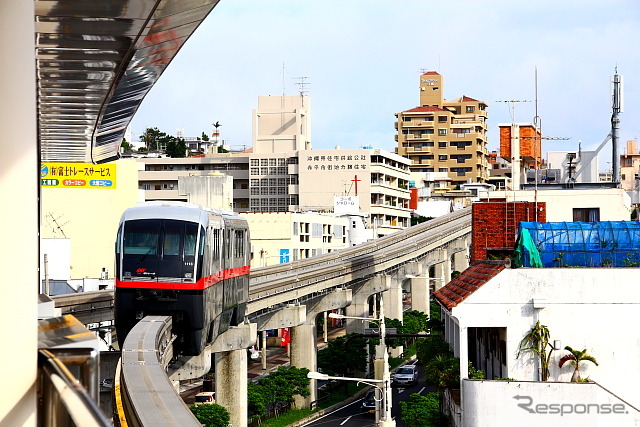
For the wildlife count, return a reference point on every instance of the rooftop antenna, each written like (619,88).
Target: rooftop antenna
(57,225)
(302,84)
(616,108)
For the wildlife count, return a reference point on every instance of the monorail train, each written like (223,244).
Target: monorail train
(178,259)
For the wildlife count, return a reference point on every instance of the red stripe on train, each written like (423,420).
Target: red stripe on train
(201,284)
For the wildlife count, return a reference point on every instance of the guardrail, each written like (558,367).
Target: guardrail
(64,400)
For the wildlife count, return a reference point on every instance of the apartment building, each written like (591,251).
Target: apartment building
(444,136)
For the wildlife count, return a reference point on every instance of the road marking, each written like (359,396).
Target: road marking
(421,390)
(347,419)
(400,390)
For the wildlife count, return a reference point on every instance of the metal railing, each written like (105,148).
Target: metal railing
(62,399)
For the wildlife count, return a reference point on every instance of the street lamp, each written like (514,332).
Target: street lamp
(383,418)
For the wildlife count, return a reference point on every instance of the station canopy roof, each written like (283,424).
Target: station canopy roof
(96,61)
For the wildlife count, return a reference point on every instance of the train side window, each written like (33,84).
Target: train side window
(202,242)
(239,244)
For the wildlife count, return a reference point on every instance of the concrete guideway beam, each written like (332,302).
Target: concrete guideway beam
(235,338)
(303,338)
(360,305)
(288,317)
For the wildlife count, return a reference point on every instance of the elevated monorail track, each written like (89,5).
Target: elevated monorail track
(144,394)
(286,283)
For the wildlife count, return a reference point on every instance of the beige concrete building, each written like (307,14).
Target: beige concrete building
(630,166)
(296,181)
(281,124)
(444,136)
(279,237)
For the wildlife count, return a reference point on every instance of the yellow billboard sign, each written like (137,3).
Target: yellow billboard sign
(78,175)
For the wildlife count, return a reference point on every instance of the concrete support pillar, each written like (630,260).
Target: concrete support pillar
(230,349)
(231,384)
(420,294)
(360,304)
(304,355)
(303,338)
(393,308)
(19,226)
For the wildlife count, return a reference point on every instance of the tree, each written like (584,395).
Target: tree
(575,357)
(281,385)
(343,356)
(422,411)
(211,415)
(175,147)
(255,401)
(151,138)
(126,146)
(443,371)
(204,137)
(537,341)
(428,348)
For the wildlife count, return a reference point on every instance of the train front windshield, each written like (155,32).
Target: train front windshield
(160,249)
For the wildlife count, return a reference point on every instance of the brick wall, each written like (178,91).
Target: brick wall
(495,224)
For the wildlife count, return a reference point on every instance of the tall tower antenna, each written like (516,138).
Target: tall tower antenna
(616,108)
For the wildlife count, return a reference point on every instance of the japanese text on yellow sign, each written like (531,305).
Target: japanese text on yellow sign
(78,175)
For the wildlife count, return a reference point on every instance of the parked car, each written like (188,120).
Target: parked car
(205,397)
(406,375)
(369,402)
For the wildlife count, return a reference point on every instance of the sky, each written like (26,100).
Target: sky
(362,60)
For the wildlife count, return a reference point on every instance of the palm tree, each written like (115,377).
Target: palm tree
(575,357)
(537,341)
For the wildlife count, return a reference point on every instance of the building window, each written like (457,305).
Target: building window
(586,214)
(428,119)
(443,170)
(470,108)
(255,171)
(255,162)
(255,182)
(442,131)
(264,162)
(442,144)
(442,157)
(406,118)
(442,119)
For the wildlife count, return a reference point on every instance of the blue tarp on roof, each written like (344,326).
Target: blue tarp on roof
(579,244)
